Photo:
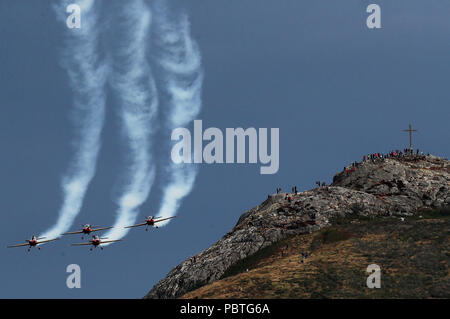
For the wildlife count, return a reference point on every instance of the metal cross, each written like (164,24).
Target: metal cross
(410,130)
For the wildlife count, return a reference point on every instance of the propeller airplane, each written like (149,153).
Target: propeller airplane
(33,242)
(96,241)
(151,221)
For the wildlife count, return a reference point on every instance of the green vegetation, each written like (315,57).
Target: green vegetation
(413,253)
(253,260)
(428,213)
(328,236)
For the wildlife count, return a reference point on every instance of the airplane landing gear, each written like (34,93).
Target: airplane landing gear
(101,248)
(90,249)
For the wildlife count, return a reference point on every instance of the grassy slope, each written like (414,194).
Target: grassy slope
(413,255)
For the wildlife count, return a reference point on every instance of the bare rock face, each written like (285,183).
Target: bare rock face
(407,183)
(392,186)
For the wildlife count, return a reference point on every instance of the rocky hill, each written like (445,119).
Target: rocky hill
(413,254)
(394,186)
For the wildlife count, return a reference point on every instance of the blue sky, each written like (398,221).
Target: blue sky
(334,88)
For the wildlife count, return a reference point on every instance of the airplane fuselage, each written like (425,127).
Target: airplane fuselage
(96,242)
(150,222)
(32,242)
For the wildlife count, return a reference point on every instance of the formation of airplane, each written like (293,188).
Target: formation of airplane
(87,229)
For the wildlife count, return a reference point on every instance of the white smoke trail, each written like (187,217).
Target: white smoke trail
(87,77)
(181,62)
(138,101)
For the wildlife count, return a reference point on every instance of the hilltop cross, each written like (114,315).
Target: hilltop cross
(410,130)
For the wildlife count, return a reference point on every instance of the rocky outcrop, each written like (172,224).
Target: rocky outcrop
(392,186)
(406,184)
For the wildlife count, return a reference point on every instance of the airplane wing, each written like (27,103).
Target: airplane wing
(20,245)
(109,241)
(136,225)
(82,244)
(102,228)
(160,220)
(73,232)
(46,241)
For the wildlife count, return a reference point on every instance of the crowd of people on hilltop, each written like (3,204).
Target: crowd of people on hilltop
(353,166)
(391,154)
(380,156)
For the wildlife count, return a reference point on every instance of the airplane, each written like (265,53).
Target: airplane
(86,230)
(96,241)
(150,221)
(33,242)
